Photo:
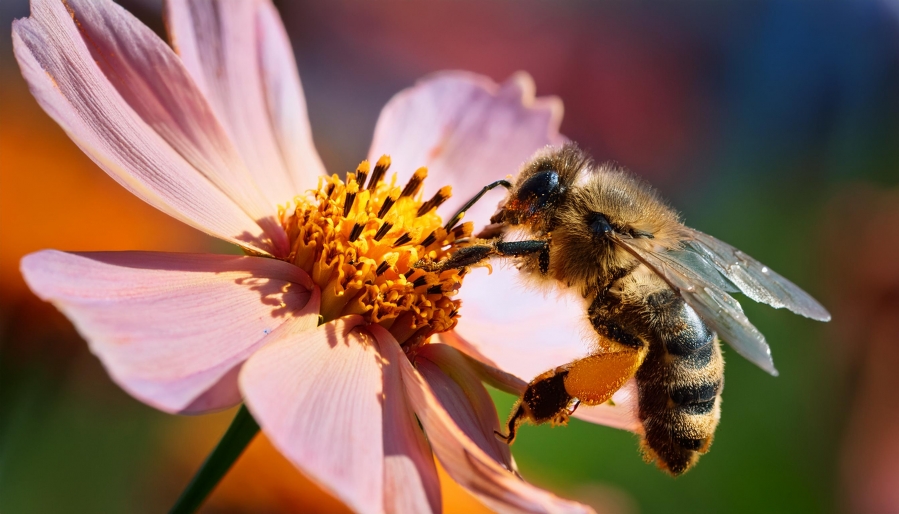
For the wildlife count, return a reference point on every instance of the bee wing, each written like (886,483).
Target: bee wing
(707,270)
(753,278)
(705,291)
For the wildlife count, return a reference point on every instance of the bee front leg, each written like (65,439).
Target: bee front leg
(464,257)
(474,254)
(520,248)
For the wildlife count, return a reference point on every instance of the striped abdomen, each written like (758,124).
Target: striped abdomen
(679,383)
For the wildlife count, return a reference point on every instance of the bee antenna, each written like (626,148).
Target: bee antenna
(461,212)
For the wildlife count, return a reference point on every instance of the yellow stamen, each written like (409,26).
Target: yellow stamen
(360,243)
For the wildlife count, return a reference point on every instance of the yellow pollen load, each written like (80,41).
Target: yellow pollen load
(362,242)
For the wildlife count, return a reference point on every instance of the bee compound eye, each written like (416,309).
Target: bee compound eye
(539,189)
(599,224)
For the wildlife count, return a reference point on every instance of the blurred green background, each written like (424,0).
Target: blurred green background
(773,125)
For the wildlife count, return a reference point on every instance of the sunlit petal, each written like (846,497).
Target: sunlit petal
(124,97)
(468,131)
(461,393)
(318,396)
(171,328)
(411,483)
(483,367)
(240,55)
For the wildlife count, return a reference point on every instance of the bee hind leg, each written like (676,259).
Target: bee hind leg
(595,378)
(544,400)
(555,395)
(512,426)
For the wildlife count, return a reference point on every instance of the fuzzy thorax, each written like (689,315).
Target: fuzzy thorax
(364,241)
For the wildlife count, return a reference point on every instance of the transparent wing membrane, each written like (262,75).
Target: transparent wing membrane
(753,278)
(705,290)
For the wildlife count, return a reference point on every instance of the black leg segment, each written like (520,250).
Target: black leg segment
(520,248)
(471,255)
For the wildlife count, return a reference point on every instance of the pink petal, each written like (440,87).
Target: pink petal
(622,413)
(486,371)
(171,328)
(411,483)
(123,96)
(468,131)
(319,397)
(240,55)
(522,330)
(463,459)
(461,393)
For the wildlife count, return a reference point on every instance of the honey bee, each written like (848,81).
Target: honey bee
(655,291)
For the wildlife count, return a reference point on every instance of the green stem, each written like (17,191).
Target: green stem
(242,430)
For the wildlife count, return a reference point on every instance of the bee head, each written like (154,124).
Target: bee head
(541,187)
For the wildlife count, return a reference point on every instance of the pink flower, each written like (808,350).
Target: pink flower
(331,353)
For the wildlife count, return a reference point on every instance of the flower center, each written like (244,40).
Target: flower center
(364,246)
